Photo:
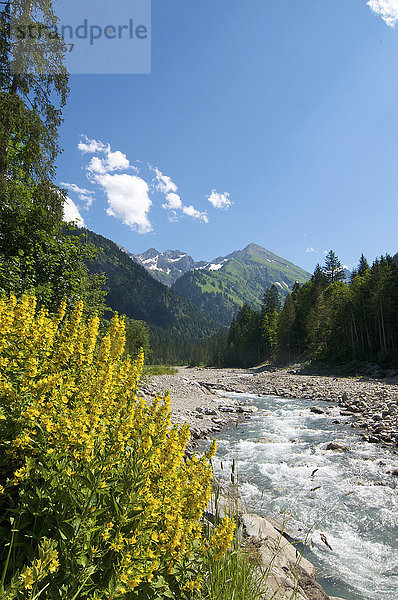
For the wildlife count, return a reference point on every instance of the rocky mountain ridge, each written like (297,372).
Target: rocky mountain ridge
(166,266)
(243,276)
(170,265)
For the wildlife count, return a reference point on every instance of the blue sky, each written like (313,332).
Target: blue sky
(268,121)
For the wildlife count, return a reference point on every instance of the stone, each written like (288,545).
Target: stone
(291,573)
(247,409)
(373,439)
(337,447)
(312,589)
(266,439)
(377,417)
(317,410)
(196,433)
(204,410)
(261,528)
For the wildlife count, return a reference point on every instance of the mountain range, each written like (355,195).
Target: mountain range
(221,286)
(201,297)
(166,266)
(133,292)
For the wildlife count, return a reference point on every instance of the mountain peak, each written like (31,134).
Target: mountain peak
(254,246)
(166,266)
(257,249)
(226,283)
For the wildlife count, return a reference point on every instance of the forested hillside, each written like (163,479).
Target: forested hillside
(242,278)
(175,323)
(325,319)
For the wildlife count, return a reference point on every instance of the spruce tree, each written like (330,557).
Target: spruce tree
(363,266)
(270,309)
(333,268)
(271,301)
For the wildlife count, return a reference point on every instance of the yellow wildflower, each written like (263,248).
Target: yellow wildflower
(27,578)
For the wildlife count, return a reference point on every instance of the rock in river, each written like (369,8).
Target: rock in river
(337,447)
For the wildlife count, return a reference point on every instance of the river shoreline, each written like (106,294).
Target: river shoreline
(372,404)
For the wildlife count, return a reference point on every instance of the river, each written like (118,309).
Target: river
(344,503)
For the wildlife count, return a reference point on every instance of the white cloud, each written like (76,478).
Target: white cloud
(114,161)
(196,214)
(387,9)
(174,202)
(173,217)
(166,186)
(88,146)
(96,165)
(117,161)
(84,195)
(71,213)
(128,195)
(128,200)
(310,250)
(220,200)
(164,182)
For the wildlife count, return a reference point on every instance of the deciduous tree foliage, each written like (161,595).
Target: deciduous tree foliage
(35,255)
(33,92)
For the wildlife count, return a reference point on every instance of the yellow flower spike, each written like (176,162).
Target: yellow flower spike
(78,406)
(27,578)
(61,313)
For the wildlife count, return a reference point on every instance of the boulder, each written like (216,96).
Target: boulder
(318,410)
(289,574)
(312,589)
(337,447)
(247,409)
(205,410)
(267,439)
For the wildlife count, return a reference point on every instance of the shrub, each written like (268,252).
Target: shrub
(97,498)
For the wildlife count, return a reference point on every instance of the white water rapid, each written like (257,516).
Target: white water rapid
(347,498)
